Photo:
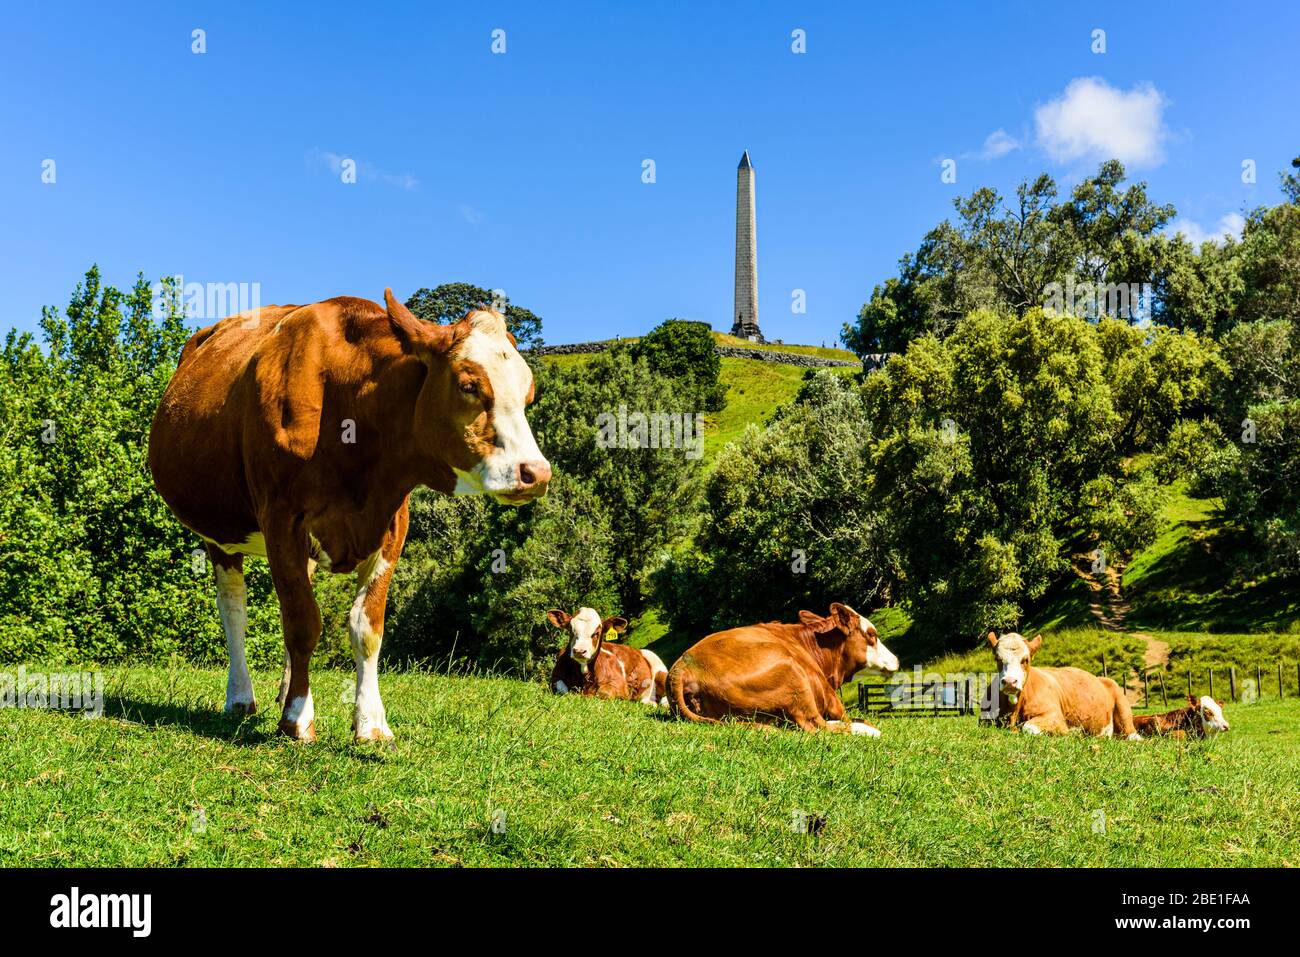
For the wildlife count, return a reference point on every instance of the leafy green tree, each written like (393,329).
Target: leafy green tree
(788,524)
(1005,256)
(450,301)
(92,564)
(685,351)
(996,456)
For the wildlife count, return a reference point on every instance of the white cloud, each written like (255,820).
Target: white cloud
(996,145)
(1096,121)
(366,171)
(1230,224)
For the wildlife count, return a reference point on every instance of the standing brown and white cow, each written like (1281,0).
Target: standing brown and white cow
(297,433)
(1054,700)
(774,673)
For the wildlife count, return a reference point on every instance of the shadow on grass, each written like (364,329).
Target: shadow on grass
(201,721)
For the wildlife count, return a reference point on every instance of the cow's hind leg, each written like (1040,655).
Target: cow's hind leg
(232,606)
(286,552)
(366,630)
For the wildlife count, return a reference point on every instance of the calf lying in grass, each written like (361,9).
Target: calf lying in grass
(1055,700)
(591,664)
(1197,719)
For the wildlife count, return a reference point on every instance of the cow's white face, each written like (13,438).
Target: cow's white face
(491,373)
(1013,654)
(1212,719)
(584,640)
(586,630)
(880,660)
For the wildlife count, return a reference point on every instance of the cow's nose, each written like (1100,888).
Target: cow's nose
(534,474)
(1009,682)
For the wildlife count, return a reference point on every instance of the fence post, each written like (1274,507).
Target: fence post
(1232,683)
(1164,691)
(862,705)
(1259,685)
(967,706)
(1189,682)
(1104,673)
(1279,681)
(1146,691)
(1211,682)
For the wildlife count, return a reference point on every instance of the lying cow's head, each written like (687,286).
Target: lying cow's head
(862,649)
(470,411)
(586,632)
(1013,654)
(1210,713)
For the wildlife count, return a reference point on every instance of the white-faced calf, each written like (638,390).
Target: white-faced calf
(1197,718)
(592,664)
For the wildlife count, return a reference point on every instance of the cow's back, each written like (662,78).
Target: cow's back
(1084,699)
(745,670)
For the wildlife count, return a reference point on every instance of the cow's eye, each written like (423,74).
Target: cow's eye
(469,387)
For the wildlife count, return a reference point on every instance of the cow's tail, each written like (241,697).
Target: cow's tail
(676,687)
(1122,715)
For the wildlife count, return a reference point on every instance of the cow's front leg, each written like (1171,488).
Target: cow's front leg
(286,553)
(366,630)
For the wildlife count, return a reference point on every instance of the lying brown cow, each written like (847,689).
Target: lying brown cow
(297,433)
(1197,719)
(774,673)
(1054,700)
(591,664)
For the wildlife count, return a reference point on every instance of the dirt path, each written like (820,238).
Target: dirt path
(1109,608)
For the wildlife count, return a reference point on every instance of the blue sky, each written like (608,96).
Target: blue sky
(523,170)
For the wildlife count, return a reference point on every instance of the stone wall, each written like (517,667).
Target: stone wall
(735,352)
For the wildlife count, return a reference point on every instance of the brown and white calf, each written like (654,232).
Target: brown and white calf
(1055,700)
(592,664)
(1197,719)
(297,433)
(775,673)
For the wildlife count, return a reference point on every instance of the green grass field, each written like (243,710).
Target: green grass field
(165,779)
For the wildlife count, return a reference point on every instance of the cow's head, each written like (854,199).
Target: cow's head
(470,411)
(586,632)
(1013,654)
(860,647)
(1210,713)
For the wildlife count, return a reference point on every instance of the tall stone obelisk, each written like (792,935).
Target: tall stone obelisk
(745,317)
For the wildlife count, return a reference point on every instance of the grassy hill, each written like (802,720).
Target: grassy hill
(754,388)
(583,782)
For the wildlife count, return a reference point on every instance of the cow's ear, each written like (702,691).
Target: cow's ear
(845,617)
(615,624)
(422,338)
(558,617)
(815,623)
(1035,643)
(993,639)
